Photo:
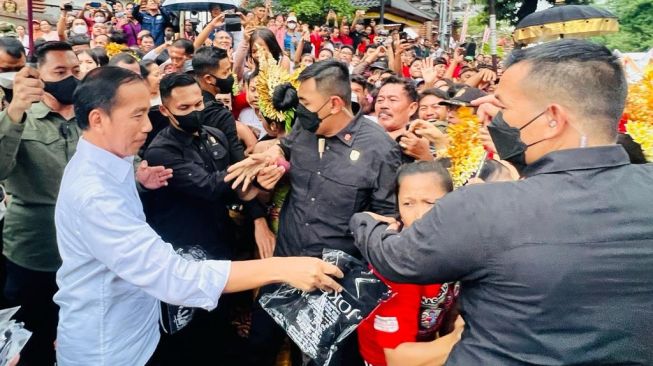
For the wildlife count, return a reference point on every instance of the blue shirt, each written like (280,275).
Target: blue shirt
(115,267)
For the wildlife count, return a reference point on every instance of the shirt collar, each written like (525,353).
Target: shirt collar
(348,134)
(579,159)
(117,167)
(40,110)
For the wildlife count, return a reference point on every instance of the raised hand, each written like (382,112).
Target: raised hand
(269,176)
(152,177)
(28,89)
(429,71)
(416,147)
(429,131)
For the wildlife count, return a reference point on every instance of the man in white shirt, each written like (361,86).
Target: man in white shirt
(115,267)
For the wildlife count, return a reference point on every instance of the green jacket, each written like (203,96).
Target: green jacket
(33,155)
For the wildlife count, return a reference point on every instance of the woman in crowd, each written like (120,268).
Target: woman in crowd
(414,327)
(92,58)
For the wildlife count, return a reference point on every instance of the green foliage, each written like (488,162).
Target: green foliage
(635,26)
(314,12)
(513,11)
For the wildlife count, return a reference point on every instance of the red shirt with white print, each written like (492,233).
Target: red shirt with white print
(414,314)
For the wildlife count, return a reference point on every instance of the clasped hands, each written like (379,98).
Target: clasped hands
(266,168)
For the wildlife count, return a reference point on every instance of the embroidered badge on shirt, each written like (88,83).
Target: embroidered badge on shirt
(354,155)
(386,324)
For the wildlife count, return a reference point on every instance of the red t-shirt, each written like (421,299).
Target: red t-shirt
(414,314)
(316,40)
(405,70)
(239,102)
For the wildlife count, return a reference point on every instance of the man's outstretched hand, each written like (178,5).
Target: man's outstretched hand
(152,177)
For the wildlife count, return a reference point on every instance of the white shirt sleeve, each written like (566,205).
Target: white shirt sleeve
(130,248)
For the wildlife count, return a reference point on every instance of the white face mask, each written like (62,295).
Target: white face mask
(7,81)
(80,29)
(292,25)
(100,19)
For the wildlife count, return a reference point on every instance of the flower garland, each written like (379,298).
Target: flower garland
(465,148)
(113,49)
(271,74)
(639,112)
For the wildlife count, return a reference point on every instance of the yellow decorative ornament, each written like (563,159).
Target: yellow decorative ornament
(271,74)
(639,110)
(114,49)
(465,149)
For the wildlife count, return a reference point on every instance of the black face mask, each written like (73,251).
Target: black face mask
(309,121)
(507,140)
(62,90)
(225,85)
(190,122)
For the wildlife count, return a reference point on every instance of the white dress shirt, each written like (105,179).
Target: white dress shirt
(115,267)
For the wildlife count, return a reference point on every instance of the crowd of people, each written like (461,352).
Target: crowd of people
(148,168)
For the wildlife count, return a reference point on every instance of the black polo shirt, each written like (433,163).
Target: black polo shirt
(356,173)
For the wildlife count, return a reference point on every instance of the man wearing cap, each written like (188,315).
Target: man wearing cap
(291,40)
(556,267)
(460,95)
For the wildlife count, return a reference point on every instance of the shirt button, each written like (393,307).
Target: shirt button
(328,148)
(319,173)
(312,199)
(306,224)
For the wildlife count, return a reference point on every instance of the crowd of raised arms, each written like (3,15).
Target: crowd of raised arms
(158,182)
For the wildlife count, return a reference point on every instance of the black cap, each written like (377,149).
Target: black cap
(464,97)
(379,65)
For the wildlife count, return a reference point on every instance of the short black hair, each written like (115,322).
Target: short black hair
(331,78)
(99,89)
(326,49)
(42,51)
(172,81)
(145,67)
(186,45)
(348,47)
(437,167)
(633,149)
(580,74)
(207,59)
(12,47)
(408,86)
(362,81)
(250,76)
(118,37)
(148,35)
(124,57)
(79,40)
(101,55)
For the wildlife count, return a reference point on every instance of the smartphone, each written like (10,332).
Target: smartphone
(95,4)
(232,23)
(68,7)
(470,50)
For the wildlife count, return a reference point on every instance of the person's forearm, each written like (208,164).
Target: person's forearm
(450,70)
(433,353)
(298,52)
(239,59)
(61,25)
(245,275)
(203,36)
(398,65)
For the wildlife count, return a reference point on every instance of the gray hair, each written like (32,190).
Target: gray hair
(584,76)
